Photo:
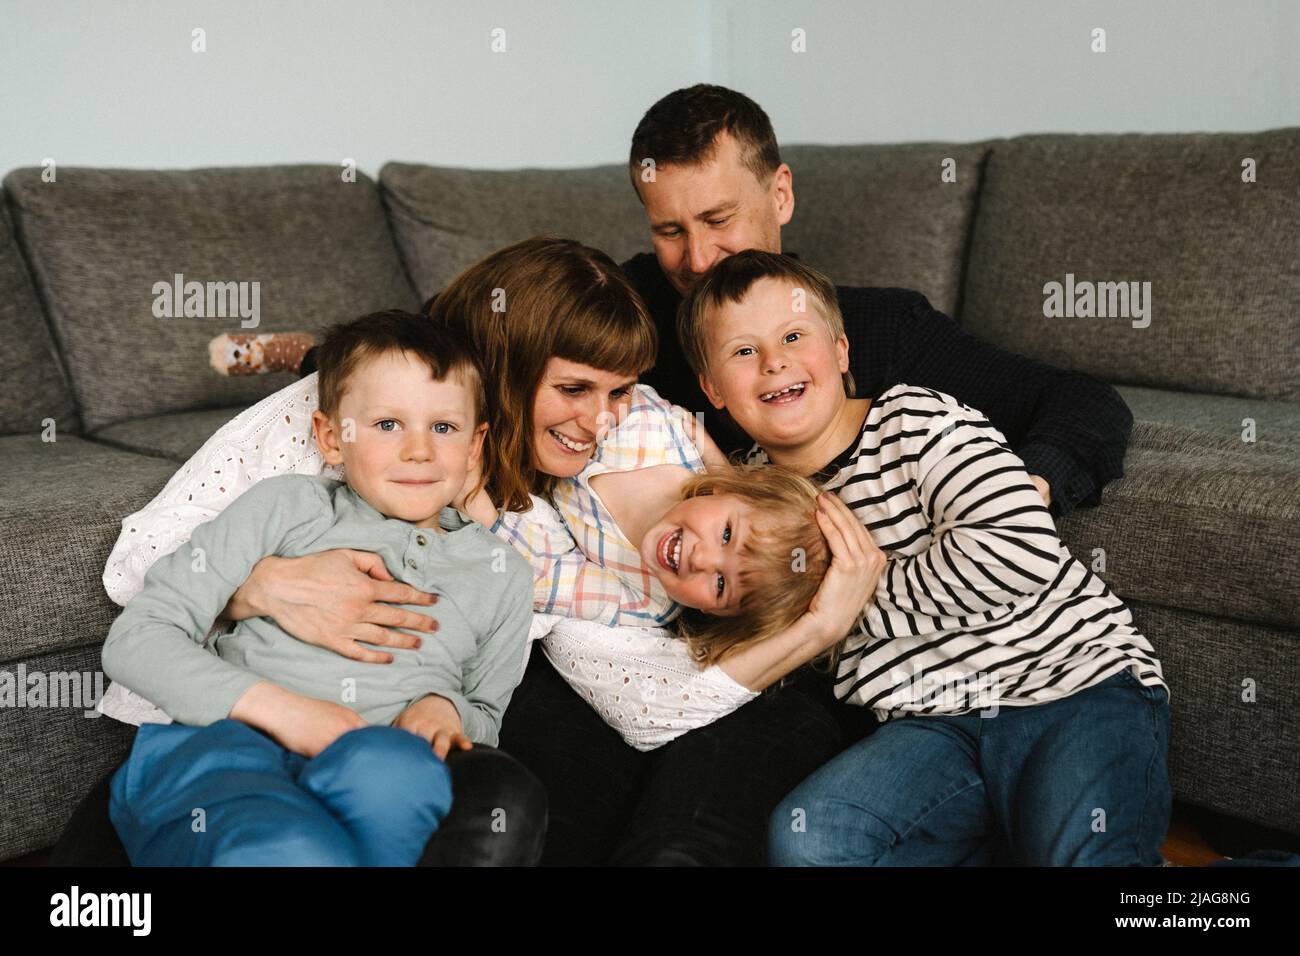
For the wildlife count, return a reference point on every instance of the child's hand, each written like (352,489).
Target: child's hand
(436,720)
(704,443)
(304,725)
(856,566)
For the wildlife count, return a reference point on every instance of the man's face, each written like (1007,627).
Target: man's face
(702,214)
(405,441)
(775,369)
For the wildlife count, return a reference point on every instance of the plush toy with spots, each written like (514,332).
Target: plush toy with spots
(241,353)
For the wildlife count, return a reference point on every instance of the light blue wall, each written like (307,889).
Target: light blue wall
(947,70)
(116,83)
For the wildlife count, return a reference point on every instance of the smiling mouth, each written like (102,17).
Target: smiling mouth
(670,550)
(568,444)
(783,396)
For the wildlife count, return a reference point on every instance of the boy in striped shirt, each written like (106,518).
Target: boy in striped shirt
(1025,719)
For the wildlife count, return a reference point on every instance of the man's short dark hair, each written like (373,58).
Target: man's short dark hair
(682,128)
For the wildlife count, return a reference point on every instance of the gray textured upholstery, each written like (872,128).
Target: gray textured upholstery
(51,756)
(1200,523)
(1218,415)
(61,508)
(175,436)
(883,215)
(99,240)
(1221,256)
(445,219)
(1227,752)
(32,386)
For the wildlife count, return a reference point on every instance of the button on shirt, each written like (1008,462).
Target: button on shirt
(474,659)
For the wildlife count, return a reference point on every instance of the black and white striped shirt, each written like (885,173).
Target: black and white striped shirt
(980,603)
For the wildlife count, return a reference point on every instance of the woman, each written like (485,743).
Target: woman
(562,338)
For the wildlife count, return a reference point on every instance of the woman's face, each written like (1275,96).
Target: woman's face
(574,407)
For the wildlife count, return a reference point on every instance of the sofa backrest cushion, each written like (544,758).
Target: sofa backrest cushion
(300,244)
(896,216)
(32,385)
(446,219)
(865,215)
(1222,257)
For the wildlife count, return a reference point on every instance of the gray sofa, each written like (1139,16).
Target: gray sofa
(100,400)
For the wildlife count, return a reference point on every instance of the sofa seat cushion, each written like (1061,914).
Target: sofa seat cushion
(296,245)
(1200,522)
(1215,415)
(61,509)
(176,436)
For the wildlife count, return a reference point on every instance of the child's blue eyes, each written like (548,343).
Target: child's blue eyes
(441,428)
(726,539)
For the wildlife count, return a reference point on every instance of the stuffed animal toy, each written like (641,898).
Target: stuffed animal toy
(241,353)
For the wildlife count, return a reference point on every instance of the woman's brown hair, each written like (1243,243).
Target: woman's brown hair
(521,306)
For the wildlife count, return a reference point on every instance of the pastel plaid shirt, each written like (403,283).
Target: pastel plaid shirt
(583,564)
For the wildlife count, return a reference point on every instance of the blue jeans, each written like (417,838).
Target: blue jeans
(1080,781)
(228,795)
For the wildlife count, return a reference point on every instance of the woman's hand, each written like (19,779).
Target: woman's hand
(856,566)
(435,719)
(704,443)
(335,599)
(304,725)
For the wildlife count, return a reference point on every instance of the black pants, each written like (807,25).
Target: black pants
(703,799)
(497,818)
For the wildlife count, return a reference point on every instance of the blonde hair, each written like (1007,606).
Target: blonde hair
(521,306)
(787,558)
(730,280)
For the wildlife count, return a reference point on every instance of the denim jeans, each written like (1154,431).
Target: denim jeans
(702,799)
(228,795)
(1080,781)
(498,818)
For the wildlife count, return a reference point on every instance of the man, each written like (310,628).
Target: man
(705,164)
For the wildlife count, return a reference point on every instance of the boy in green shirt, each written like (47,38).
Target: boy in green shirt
(286,753)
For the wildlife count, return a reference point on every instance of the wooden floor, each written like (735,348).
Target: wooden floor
(1184,846)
